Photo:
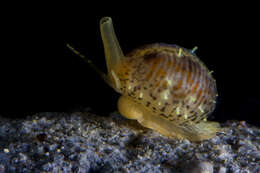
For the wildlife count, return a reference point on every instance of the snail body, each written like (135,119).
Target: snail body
(164,87)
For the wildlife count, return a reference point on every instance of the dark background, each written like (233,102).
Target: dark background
(38,73)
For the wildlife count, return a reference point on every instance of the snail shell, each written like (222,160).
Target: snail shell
(164,87)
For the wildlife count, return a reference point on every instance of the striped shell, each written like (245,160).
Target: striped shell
(169,81)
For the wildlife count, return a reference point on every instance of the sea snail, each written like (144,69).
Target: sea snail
(164,87)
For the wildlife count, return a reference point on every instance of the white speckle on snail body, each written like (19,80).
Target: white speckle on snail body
(201,109)
(165,94)
(180,52)
(169,82)
(178,110)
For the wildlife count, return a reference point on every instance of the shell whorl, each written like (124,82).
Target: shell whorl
(170,81)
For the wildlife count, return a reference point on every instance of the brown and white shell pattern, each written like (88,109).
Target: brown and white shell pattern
(170,81)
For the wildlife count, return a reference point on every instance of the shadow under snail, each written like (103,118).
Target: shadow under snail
(164,87)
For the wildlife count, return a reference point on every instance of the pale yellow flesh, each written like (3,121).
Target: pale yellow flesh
(113,52)
(194,132)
